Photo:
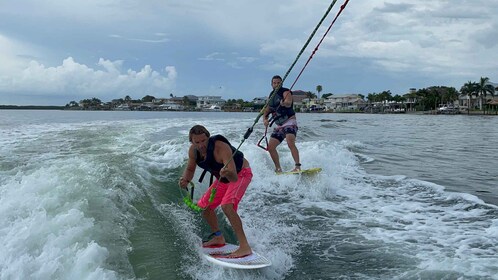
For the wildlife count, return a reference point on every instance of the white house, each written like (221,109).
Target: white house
(259,100)
(348,102)
(204,102)
(171,106)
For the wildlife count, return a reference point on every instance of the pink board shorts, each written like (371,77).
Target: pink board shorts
(227,193)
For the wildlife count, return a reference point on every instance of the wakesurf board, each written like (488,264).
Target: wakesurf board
(304,171)
(219,256)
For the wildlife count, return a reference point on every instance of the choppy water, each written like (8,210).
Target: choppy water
(93,195)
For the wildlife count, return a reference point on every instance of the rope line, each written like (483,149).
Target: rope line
(320,42)
(189,200)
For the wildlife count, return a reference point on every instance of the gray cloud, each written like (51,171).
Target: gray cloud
(113,46)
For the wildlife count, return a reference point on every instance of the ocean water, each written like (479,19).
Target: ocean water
(93,195)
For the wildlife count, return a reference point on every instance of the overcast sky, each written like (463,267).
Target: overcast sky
(56,51)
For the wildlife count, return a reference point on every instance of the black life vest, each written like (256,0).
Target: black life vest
(280,114)
(209,164)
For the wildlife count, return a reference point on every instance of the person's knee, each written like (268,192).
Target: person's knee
(291,144)
(227,209)
(273,146)
(207,212)
(273,151)
(291,139)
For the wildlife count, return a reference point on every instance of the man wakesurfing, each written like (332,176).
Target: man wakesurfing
(283,115)
(233,175)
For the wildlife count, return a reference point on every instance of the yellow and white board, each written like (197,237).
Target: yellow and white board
(304,171)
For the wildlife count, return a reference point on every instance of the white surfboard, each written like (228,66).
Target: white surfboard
(215,255)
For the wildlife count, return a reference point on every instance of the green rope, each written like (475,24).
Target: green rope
(191,204)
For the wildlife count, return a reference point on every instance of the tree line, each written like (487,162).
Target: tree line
(429,98)
(425,99)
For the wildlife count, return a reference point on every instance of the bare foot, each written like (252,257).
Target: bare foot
(216,241)
(297,168)
(278,170)
(240,253)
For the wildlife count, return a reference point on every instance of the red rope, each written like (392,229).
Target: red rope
(318,45)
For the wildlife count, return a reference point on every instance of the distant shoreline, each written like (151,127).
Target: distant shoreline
(53,107)
(30,107)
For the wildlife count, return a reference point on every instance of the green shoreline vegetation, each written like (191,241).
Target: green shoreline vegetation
(471,98)
(31,107)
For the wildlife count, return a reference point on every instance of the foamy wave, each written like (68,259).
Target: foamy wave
(45,236)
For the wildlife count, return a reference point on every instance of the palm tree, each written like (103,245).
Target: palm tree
(451,95)
(469,89)
(483,88)
(185,101)
(319,89)
(309,95)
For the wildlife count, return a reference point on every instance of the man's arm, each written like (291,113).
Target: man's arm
(287,100)
(223,154)
(266,120)
(189,171)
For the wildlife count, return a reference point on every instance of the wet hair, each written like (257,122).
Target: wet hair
(197,130)
(276,77)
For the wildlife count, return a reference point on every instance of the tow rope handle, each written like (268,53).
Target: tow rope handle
(271,120)
(189,201)
(266,141)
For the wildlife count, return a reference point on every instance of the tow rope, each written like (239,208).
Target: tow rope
(321,40)
(189,200)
